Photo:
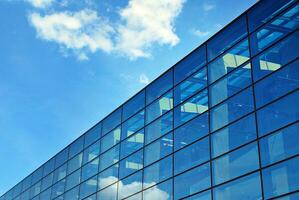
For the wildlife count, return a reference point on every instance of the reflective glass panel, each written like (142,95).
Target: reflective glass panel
(131,164)
(132,144)
(73,179)
(134,105)
(132,125)
(191,108)
(74,163)
(160,191)
(130,185)
(72,194)
(111,121)
(49,166)
(76,147)
(93,134)
(47,182)
(61,157)
(109,158)
(88,187)
(91,152)
(110,139)
(109,193)
(60,173)
(58,189)
(90,169)
(236,163)
(108,176)
(201,196)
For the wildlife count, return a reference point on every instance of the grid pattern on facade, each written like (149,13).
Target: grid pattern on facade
(220,124)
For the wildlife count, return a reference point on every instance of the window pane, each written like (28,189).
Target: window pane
(110,139)
(132,125)
(76,147)
(109,193)
(293,196)
(235,164)
(230,85)
(282,178)
(190,64)
(37,175)
(108,176)
(278,55)
(232,109)
(192,181)
(227,37)
(93,135)
(74,163)
(190,86)
(274,30)
(109,158)
(90,169)
(158,149)
(236,134)
(159,127)
(61,157)
(159,87)
(132,144)
(159,107)
(201,196)
(280,145)
(191,108)
(264,11)
(91,152)
(191,131)
(229,61)
(60,173)
(49,166)
(248,187)
(130,185)
(72,194)
(46,195)
(35,189)
(58,189)
(73,179)
(111,121)
(47,181)
(278,114)
(134,105)
(131,164)
(192,155)
(284,80)
(157,172)
(88,187)
(163,191)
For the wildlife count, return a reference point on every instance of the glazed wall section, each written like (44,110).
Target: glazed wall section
(220,124)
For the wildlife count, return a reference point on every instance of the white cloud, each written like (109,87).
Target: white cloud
(200,33)
(83,31)
(147,22)
(208,7)
(40,3)
(143,79)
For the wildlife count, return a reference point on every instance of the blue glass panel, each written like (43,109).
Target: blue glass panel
(108,177)
(73,179)
(190,64)
(134,182)
(74,163)
(159,107)
(281,178)
(236,134)
(275,57)
(235,164)
(90,169)
(134,105)
(201,196)
(93,134)
(230,85)
(232,109)
(191,108)
(47,181)
(294,196)
(232,59)
(132,125)
(37,175)
(192,181)
(60,173)
(110,139)
(274,30)
(284,80)
(35,189)
(248,187)
(109,193)
(190,86)
(49,166)
(72,194)
(159,127)
(278,114)
(111,121)
(131,164)
(46,195)
(109,157)
(160,191)
(227,37)
(191,131)
(265,11)
(132,144)
(157,172)
(61,157)
(192,155)
(88,187)
(26,183)
(159,87)
(91,152)
(58,189)
(76,147)
(280,145)
(158,149)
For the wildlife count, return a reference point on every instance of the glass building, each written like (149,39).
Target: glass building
(221,124)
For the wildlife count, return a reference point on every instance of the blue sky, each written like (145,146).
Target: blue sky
(65,64)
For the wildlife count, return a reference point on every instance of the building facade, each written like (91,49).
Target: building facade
(223,123)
